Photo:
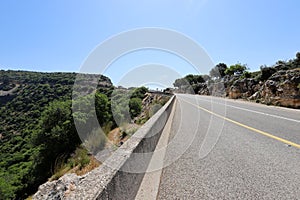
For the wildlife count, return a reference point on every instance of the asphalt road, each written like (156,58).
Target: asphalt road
(227,149)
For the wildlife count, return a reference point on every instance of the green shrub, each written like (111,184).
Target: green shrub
(135,106)
(139,92)
(266,72)
(80,158)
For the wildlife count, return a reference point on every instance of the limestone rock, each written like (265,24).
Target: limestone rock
(243,88)
(282,89)
(58,189)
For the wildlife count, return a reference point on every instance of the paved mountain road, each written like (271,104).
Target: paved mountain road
(256,153)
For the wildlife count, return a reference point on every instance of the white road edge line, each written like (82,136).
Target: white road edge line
(254,111)
(267,114)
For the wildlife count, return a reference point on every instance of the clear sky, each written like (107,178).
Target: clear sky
(58,35)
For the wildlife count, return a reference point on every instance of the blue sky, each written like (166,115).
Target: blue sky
(58,35)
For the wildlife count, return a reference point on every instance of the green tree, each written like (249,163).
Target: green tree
(298,55)
(189,80)
(102,108)
(56,135)
(120,106)
(139,92)
(135,106)
(180,82)
(266,72)
(246,74)
(218,71)
(194,79)
(237,69)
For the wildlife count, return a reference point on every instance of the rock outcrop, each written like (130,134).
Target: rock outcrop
(243,88)
(282,88)
(203,89)
(151,103)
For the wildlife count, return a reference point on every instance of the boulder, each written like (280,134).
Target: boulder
(203,89)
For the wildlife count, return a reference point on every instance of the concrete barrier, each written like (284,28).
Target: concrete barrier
(120,176)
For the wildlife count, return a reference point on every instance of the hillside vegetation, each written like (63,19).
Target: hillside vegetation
(37,130)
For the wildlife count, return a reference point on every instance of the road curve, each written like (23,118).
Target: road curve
(236,150)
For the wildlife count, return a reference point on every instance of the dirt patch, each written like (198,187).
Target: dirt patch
(9,92)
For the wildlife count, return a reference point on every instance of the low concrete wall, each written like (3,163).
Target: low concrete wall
(120,176)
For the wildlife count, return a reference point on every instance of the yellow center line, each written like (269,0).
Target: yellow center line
(248,127)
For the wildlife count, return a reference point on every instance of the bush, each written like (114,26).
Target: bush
(267,72)
(246,75)
(80,158)
(135,106)
(139,92)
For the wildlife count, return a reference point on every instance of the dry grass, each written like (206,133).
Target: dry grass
(94,163)
(114,136)
(59,173)
(80,163)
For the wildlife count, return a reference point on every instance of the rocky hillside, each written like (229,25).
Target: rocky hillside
(281,89)
(274,85)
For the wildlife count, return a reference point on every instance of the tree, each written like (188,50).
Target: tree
(102,108)
(237,69)
(298,55)
(135,106)
(246,74)
(5,79)
(180,82)
(266,72)
(120,106)
(139,92)
(189,80)
(56,135)
(198,79)
(218,71)
(194,79)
